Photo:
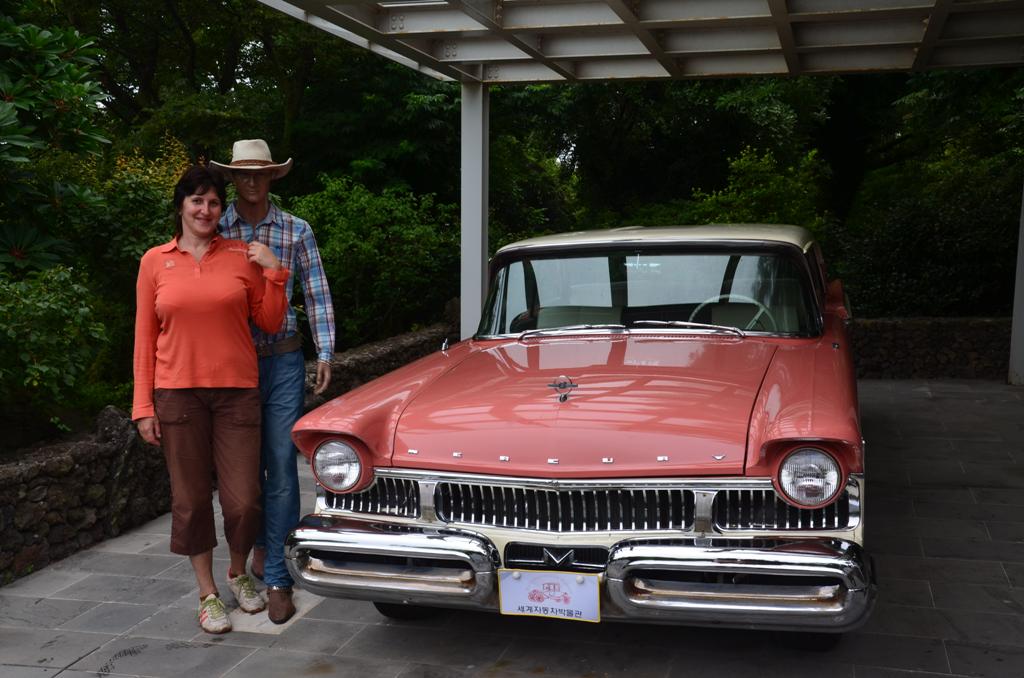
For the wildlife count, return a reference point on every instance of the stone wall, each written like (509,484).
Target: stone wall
(57,499)
(931,348)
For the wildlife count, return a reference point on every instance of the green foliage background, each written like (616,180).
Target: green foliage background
(911,181)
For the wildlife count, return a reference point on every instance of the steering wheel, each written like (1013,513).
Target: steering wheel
(762,310)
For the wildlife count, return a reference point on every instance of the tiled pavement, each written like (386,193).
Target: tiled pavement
(945,514)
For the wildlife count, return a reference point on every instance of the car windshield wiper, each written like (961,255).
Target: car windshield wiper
(696,326)
(574,328)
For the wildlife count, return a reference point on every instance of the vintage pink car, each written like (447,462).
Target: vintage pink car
(670,410)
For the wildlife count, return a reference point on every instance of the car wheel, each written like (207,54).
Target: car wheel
(405,612)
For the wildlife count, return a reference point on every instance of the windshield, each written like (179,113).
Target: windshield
(756,291)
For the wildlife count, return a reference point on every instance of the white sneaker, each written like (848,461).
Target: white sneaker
(213,616)
(249,599)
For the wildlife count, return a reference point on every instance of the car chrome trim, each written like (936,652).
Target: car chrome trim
(825,584)
(799,584)
(725,506)
(339,556)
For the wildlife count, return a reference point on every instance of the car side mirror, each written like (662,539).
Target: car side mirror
(836,301)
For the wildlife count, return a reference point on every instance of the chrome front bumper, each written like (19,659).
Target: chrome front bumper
(813,584)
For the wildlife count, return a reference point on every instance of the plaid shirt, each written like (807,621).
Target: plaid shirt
(291,239)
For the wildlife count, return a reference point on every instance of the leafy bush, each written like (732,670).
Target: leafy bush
(758,190)
(49,337)
(933,238)
(392,258)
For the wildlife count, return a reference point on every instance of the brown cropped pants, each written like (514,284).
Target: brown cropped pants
(205,430)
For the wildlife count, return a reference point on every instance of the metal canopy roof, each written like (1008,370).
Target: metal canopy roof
(501,41)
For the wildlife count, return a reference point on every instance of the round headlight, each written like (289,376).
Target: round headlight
(336,465)
(810,477)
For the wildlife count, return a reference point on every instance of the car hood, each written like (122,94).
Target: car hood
(641,406)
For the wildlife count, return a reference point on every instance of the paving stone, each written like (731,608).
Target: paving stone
(990,495)
(43,584)
(585,659)
(39,672)
(338,609)
(423,645)
(1008,476)
(496,669)
(111,588)
(40,613)
(321,637)
(941,570)
(986,628)
(47,647)
(978,598)
(902,620)
(135,542)
(751,666)
(995,512)
(984,451)
(1015,573)
(927,527)
(985,661)
(876,672)
(275,664)
(959,495)
(172,623)
(111,618)
(101,562)
(897,652)
(974,549)
(1004,531)
(162,658)
(906,592)
(893,544)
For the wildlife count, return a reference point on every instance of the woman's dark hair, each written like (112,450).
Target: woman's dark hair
(196,179)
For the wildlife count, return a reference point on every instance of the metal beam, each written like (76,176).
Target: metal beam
(493,23)
(325,10)
(780,15)
(475,172)
(1016,375)
(632,21)
(934,24)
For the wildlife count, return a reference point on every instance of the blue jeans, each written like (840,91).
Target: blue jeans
(282,389)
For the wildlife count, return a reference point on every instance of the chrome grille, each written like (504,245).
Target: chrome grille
(564,510)
(561,557)
(762,509)
(387,496)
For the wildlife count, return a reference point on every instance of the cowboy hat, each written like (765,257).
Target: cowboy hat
(252,154)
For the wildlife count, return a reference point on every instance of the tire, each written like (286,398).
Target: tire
(405,612)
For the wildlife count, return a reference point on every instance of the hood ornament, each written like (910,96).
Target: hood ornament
(563,386)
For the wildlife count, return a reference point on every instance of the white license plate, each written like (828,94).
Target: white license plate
(556,595)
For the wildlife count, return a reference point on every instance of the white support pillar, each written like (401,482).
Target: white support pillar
(475,171)
(1016,375)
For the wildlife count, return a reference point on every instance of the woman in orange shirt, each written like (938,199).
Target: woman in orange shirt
(196,381)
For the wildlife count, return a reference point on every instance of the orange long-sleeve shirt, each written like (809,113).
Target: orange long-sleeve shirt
(192,319)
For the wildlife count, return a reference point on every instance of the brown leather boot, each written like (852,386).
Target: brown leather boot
(280,607)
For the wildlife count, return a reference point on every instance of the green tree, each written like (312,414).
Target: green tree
(391,257)
(48,105)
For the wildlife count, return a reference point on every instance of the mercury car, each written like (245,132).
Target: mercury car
(650,424)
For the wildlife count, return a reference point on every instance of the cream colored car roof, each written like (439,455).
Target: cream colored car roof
(710,233)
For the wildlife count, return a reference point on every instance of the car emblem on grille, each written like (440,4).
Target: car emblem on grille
(559,556)
(563,386)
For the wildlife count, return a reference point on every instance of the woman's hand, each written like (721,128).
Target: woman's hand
(149,429)
(260,254)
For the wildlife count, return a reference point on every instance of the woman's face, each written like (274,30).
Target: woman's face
(200,214)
